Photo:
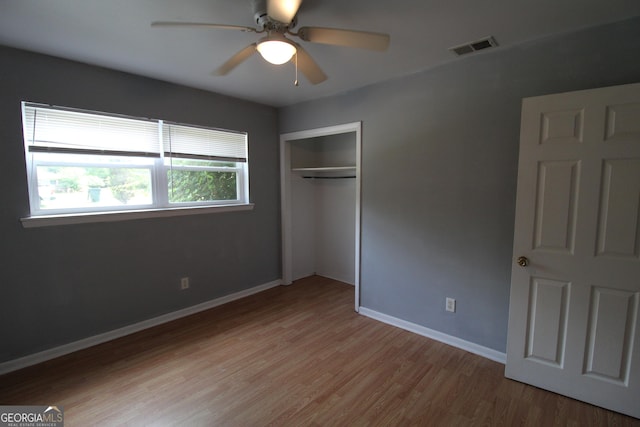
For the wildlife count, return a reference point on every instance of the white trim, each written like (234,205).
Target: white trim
(285,194)
(285,210)
(83,218)
(43,356)
(358,218)
(325,131)
(474,348)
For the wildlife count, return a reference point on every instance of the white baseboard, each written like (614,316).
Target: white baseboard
(480,350)
(339,279)
(43,356)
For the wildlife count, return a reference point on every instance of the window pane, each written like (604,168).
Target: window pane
(68,187)
(201,186)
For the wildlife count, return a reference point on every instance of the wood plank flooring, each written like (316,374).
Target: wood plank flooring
(294,356)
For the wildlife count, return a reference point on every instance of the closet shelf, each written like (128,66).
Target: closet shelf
(326,169)
(326,172)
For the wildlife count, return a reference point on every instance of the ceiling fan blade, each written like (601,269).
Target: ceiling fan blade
(236,60)
(350,38)
(202,25)
(283,10)
(308,66)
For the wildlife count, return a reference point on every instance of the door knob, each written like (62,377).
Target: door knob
(522,261)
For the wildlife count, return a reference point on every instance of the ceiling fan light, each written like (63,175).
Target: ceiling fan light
(276,51)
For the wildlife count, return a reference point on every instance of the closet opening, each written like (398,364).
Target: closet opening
(320,197)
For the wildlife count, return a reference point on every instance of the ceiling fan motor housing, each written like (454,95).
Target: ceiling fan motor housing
(264,21)
(259,8)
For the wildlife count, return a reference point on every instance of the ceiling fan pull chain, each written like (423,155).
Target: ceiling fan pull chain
(296,81)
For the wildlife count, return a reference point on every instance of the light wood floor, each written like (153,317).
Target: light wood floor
(296,356)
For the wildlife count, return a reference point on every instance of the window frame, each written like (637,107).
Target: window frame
(160,192)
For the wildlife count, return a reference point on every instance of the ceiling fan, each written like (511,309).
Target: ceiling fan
(277,19)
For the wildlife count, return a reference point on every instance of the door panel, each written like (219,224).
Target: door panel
(556,205)
(619,208)
(622,122)
(547,323)
(610,339)
(573,315)
(562,127)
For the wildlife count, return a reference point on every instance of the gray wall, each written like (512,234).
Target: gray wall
(60,284)
(439,172)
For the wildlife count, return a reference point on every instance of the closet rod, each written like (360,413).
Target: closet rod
(329,177)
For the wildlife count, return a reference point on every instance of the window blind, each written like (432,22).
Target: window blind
(49,129)
(201,143)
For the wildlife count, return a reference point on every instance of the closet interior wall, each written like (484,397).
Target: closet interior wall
(323,206)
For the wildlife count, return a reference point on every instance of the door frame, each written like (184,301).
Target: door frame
(285,195)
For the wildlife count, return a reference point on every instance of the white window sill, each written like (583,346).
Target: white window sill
(84,218)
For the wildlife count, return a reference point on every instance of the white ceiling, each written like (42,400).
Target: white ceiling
(116,34)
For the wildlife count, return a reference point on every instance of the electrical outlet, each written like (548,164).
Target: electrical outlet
(184,283)
(450,305)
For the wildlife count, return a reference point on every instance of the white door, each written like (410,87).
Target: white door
(573,315)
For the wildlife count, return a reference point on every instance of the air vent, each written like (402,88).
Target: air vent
(485,43)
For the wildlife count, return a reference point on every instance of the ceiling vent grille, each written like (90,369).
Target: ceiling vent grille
(481,44)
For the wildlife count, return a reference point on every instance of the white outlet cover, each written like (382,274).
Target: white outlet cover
(450,305)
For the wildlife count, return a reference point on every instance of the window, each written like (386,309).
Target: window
(79,161)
